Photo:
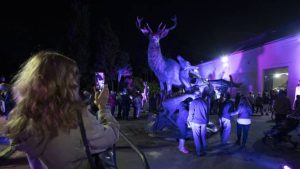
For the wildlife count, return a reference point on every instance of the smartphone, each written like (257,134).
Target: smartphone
(99,80)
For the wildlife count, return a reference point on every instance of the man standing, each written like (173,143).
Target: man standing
(297,92)
(282,107)
(225,124)
(259,104)
(251,100)
(197,119)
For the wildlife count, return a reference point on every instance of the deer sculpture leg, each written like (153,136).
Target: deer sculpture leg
(162,92)
(169,89)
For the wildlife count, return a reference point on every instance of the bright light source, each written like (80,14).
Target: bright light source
(224,59)
(286,167)
(277,75)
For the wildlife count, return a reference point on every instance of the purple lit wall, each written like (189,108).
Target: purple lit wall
(248,66)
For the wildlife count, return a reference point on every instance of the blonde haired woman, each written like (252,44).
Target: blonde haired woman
(44,122)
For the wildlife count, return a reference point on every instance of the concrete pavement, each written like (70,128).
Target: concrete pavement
(162,153)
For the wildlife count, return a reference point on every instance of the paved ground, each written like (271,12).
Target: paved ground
(162,153)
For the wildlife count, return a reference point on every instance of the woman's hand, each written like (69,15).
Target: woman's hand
(101,97)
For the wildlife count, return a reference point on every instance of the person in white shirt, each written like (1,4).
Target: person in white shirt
(244,111)
(297,92)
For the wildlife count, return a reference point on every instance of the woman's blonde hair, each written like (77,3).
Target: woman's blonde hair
(46,90)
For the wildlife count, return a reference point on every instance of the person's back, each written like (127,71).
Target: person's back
(237,99)
(251,98)
(197,119)
(265,98)
(282,104)
(183,108)
(112,101)
(224,119)
(44,121)
(66,149)
(245,112)
(126,100)
(259,100)
(198,109)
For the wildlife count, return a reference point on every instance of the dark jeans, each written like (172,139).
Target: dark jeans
(181,124)
(242,129)
(260,109)
(125,112)
(119,110)
(112,110)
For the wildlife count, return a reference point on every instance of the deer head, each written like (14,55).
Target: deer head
(162,30)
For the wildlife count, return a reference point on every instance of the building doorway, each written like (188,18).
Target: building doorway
(276,79)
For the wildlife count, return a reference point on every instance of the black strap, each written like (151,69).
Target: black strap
(85,141)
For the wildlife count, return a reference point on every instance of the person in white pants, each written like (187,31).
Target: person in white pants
(225,117)
(197,119)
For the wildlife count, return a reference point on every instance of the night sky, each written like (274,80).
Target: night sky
(206,29)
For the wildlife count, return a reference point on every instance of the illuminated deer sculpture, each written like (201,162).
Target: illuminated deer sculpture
(165,69)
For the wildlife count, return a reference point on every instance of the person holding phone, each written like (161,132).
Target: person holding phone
(44,121)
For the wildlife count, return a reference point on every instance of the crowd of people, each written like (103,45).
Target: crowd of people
(194,113)
(120,104)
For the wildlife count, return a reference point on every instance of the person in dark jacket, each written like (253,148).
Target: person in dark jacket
(297,110)
(266,101)
(282,107)
(182,123)
(112,102)
(259,104)
(197,119)
(244,113)
(237,100)
(225,116)
(126,102)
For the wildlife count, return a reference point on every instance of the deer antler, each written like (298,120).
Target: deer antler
(145,30)
(174,19)
(163,31)
(160,28)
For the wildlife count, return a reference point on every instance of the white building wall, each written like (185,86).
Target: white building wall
(248,66)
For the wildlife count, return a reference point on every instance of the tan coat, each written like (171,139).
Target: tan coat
(66,151)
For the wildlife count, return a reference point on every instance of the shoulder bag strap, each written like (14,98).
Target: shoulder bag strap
(85,142)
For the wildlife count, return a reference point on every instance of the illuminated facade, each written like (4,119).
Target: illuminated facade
(256,67)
